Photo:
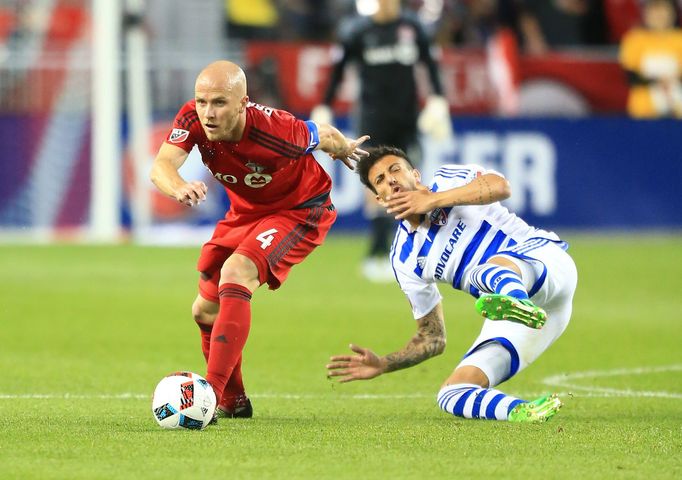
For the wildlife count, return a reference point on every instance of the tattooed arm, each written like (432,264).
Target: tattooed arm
(483,190)
(428,342)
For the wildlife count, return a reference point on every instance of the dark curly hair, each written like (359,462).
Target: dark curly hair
(376,154)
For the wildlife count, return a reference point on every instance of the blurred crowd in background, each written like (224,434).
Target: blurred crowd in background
(538,24)
(184,35)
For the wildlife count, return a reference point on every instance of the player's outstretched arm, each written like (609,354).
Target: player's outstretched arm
(483,190)
(165,176)
(428,342)
(339,147)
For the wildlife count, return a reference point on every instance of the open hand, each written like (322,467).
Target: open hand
(362,366)
(404,204)
(352,152)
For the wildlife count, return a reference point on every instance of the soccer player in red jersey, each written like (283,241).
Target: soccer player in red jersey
(280,208)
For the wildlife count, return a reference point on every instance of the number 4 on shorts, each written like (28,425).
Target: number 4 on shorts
(266,238)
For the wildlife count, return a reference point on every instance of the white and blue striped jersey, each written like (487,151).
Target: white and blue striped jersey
(449,242)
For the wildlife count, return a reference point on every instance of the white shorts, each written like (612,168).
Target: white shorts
(554,294)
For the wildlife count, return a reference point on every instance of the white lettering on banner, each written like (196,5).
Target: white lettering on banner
(529,163)
(527,159)
(311,75)
(481,148)
(311,64)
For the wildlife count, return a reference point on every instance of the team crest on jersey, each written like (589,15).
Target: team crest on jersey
(178,135)
(438,217)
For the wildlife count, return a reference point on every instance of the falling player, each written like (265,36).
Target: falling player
(280,208)
(455,231)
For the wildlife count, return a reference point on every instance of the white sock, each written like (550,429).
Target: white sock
(490,278)
(473,401)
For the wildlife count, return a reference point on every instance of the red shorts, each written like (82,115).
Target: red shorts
(274,243)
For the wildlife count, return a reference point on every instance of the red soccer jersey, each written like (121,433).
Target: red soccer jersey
(270,169)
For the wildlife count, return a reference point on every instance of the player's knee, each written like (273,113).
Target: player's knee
(240,270)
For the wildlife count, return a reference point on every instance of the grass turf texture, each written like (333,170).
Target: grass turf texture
(84,325)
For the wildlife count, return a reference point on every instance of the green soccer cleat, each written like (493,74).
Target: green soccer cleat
(504,307)
(537,411)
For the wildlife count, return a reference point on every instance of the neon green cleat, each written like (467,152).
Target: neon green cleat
(504,307)
(537,411)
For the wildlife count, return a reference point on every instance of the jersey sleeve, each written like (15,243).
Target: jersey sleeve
(343,52)
(423,296)
(285,133)
(186,127)
(452,176)
(427,55)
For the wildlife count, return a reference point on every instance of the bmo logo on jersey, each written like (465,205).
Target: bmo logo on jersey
(255,179)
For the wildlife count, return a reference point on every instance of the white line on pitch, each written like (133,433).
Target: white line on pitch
(563,381)
(567,381)
(278,396)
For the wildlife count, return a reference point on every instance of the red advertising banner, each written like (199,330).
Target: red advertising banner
(294,76)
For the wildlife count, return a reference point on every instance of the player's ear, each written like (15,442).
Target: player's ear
(417,175)
(244,101)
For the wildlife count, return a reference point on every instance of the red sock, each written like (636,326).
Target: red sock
(205,331)
(234,388)
(229,335)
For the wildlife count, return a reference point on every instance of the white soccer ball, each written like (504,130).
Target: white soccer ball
(183,400)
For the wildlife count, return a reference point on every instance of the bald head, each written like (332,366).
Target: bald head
(221,100)
(222,75)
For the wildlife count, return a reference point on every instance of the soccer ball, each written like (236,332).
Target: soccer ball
(183,400)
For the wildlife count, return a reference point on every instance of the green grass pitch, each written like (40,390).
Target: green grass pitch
(86,332)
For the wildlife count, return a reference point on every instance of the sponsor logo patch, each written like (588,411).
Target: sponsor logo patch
(257,180)
(178,135)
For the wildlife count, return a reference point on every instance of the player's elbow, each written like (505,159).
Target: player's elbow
(440,345)
(155,175)
(437,345)
(504,189)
